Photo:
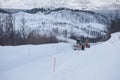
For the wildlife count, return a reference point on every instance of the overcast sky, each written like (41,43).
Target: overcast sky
(59,3)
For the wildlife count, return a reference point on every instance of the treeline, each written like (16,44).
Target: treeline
(115,25)
(75,15)
(114,21)
(11,36)
(90,39)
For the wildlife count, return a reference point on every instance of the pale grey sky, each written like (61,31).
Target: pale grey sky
(112,4)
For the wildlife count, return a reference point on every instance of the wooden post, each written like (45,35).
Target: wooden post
(54,64)
(29,51)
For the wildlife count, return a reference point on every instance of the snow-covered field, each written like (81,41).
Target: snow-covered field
(36,62)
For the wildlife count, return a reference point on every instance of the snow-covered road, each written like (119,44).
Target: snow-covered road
(36,62)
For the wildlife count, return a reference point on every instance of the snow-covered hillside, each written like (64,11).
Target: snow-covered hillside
(63,21)
(73,4)
(30,62)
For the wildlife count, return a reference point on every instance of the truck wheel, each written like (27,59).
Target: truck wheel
(88,46)
(83,48)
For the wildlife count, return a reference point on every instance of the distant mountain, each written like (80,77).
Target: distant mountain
(64,22)
(3,11)
(13,10)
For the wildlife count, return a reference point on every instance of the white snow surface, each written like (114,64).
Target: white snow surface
(35,62)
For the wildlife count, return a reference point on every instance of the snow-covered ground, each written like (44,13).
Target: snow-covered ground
(35,62)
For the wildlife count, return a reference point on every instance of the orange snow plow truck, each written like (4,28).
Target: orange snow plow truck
(81,44)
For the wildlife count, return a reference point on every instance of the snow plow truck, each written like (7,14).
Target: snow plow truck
(81,44)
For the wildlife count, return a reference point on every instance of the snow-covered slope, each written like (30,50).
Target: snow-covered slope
(74,4)
(63,21)
(30,62)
